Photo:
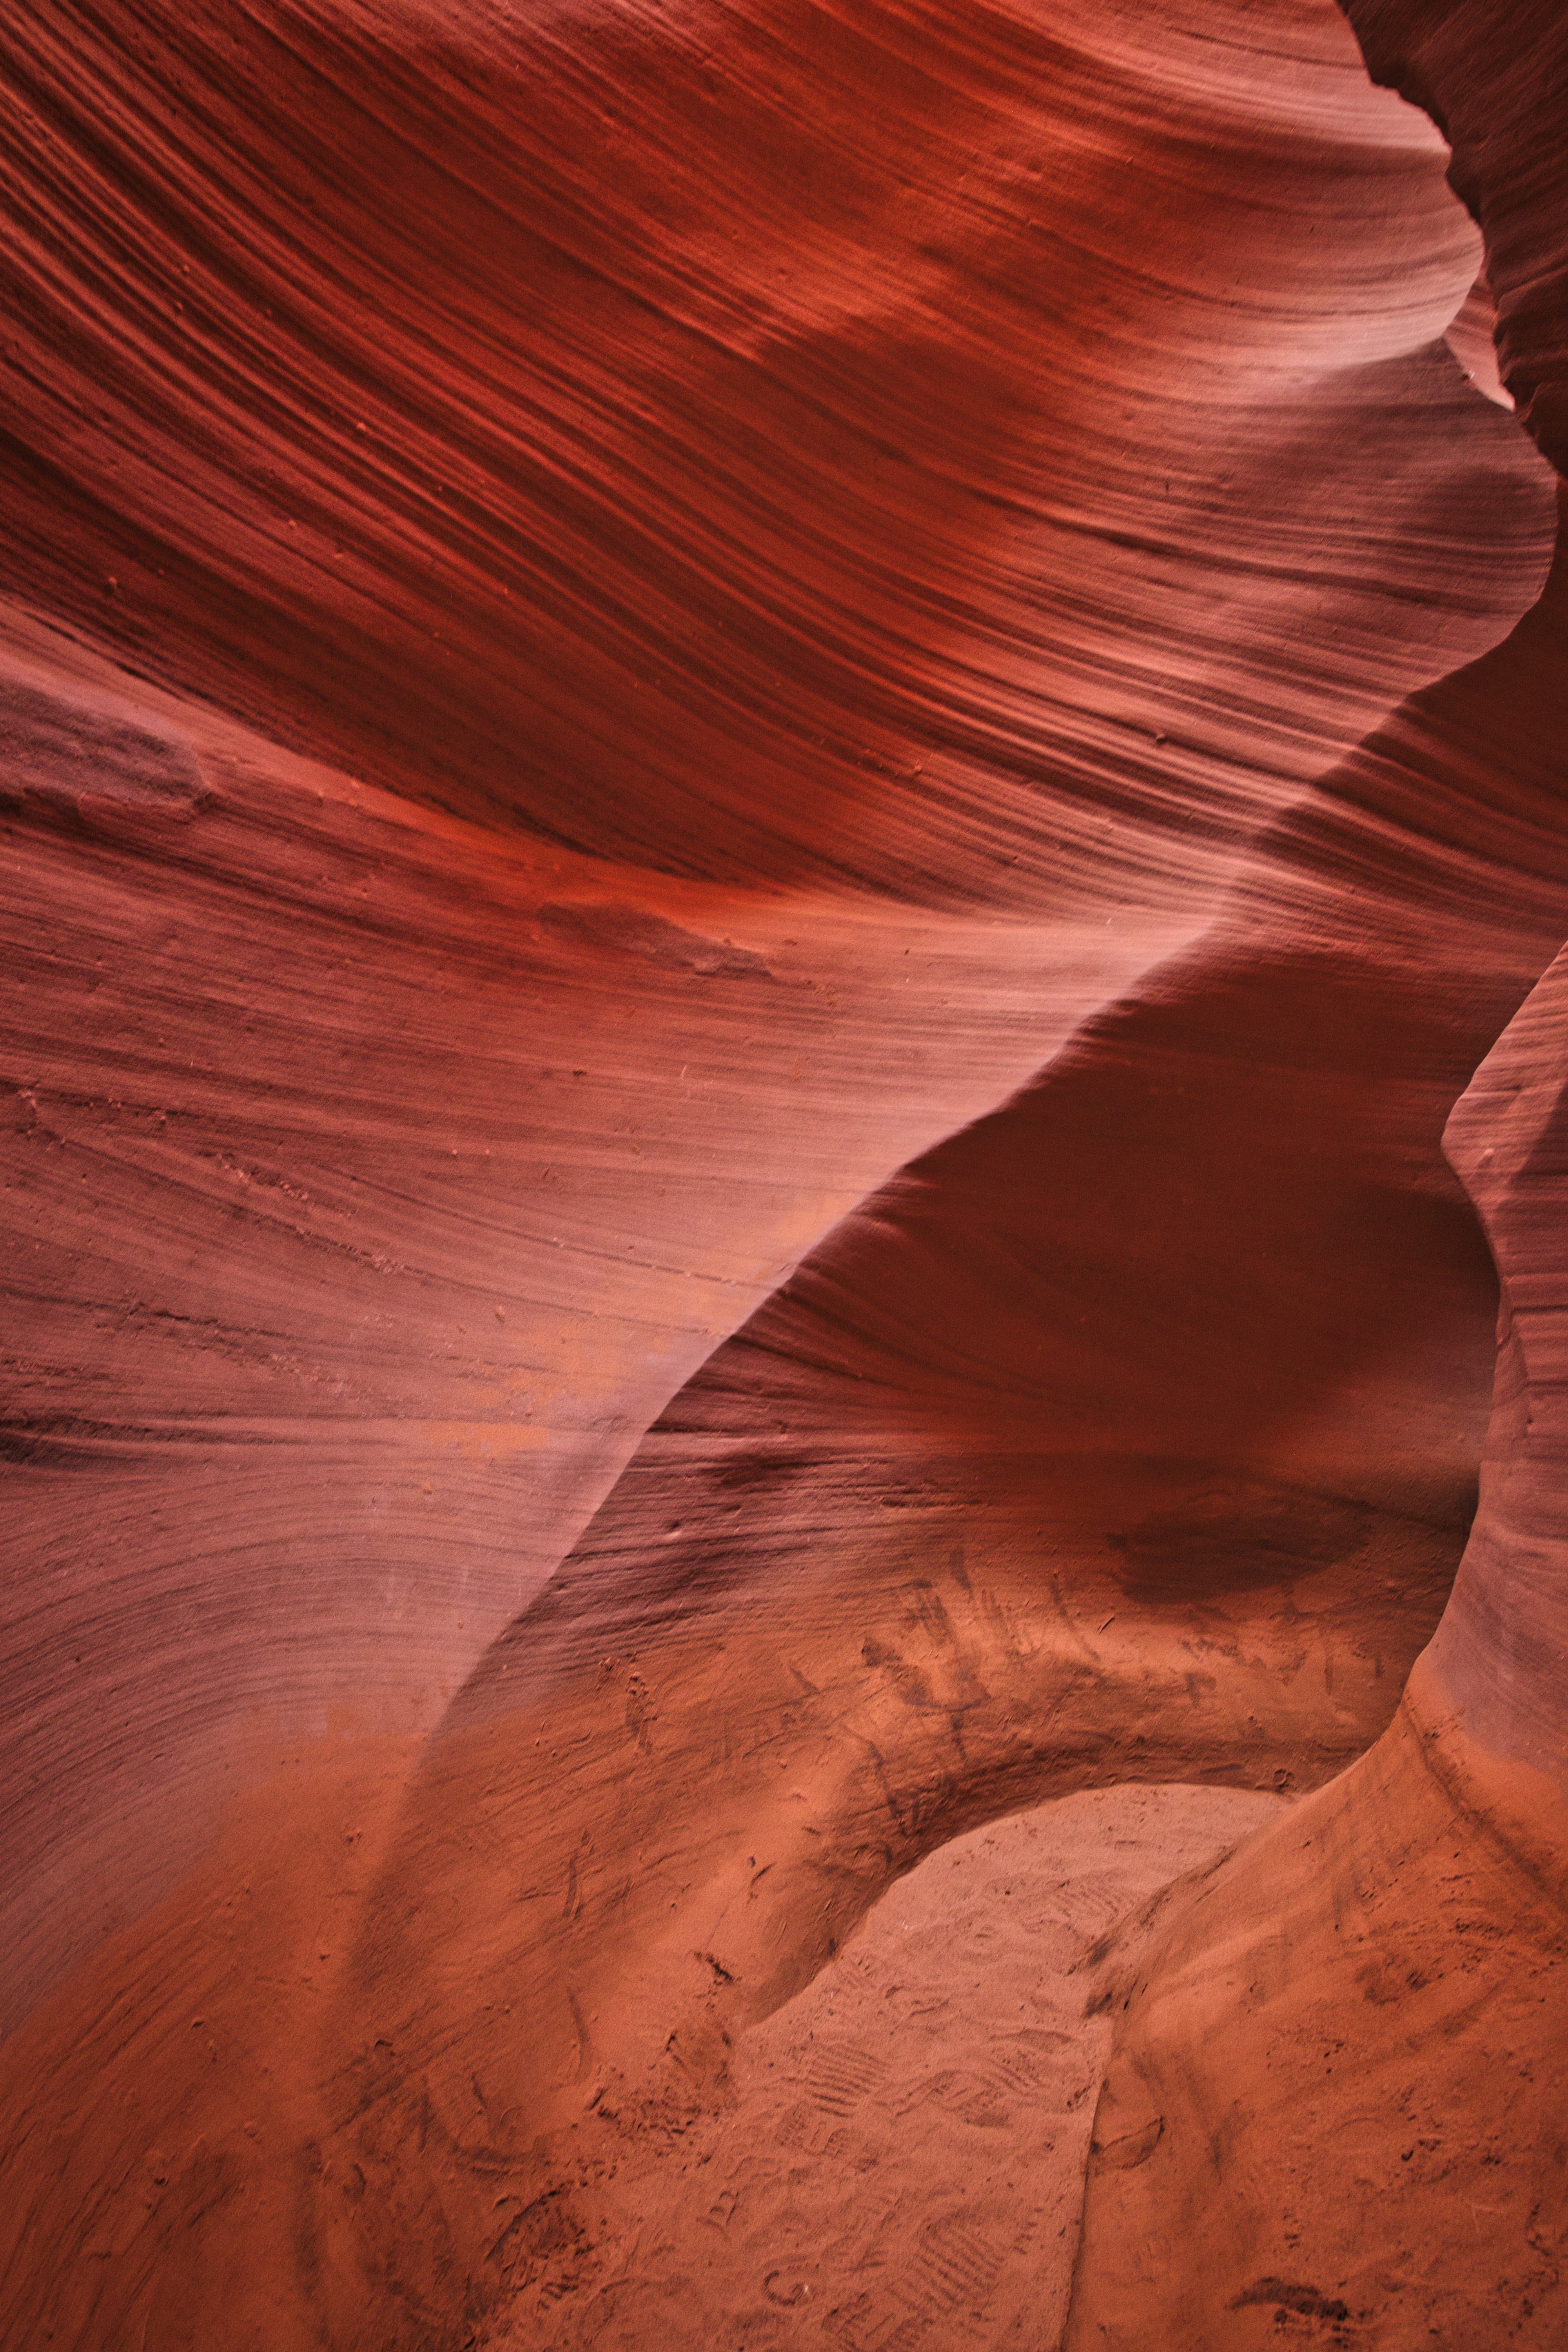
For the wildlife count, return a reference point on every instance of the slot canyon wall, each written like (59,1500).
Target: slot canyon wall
(783,826)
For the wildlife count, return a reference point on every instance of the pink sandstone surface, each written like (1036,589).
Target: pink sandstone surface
(784,845)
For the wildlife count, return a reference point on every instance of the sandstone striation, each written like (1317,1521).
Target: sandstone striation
(780,792)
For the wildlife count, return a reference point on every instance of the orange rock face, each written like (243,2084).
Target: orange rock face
(782,847)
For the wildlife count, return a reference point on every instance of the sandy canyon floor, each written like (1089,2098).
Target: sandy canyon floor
(899,2159)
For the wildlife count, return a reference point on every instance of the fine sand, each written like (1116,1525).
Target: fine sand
(902,2161)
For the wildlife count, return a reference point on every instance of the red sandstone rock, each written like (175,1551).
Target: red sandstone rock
(1401,2180)
(764,773)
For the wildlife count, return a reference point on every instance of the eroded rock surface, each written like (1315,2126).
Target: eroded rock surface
(764,774)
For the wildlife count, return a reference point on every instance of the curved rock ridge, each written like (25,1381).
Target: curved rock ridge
(839,442)
(1405,2182)
(369,1190)
(764,771)
(1499,1655)
(309,1094)
(1408,2180)
(1384,1971)
(1496,89)
(1012,1489)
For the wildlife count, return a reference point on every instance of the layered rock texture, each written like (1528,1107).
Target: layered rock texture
(782,825)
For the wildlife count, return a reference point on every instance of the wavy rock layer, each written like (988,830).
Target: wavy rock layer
(780,763)
(1398,2183)
(1383,1975)
(756,442)
(1426,1883)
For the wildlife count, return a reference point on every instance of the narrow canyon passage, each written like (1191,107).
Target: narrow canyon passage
(766,771)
